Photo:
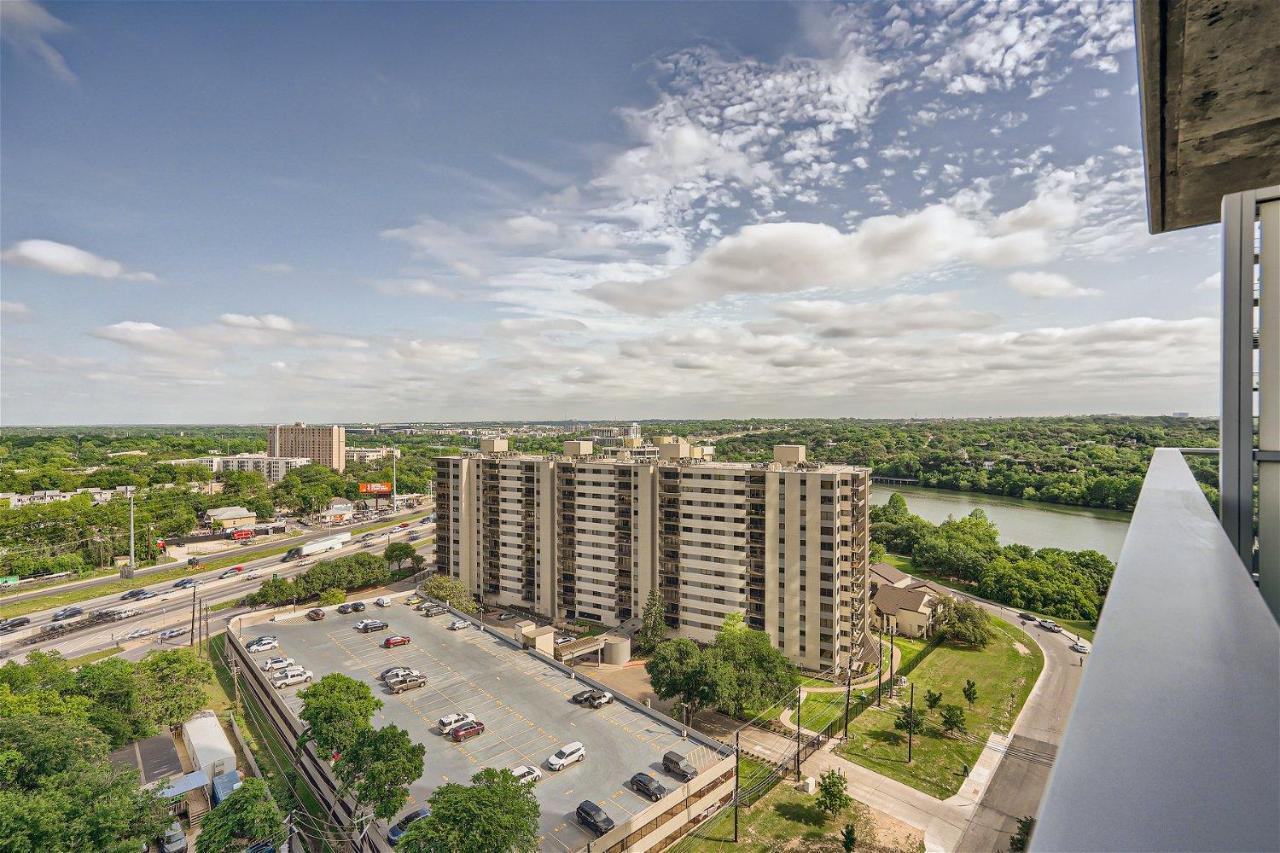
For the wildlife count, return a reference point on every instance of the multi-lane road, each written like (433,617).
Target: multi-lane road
(172,608)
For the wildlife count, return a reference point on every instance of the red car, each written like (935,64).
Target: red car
(398,640)
(403,524)
(466,730)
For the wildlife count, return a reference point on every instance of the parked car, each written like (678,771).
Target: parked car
(14,624)
(647,786)
(570,753)
(594,698)
(679,766)
(315,614)
(1079,648)
(291,677)
(448,721)
(525,773)
(367,626)
(560,641)
(506,617)
(138,633)
(272,664)
(263,644)
(394,671)
(431,609)
(1050,625)
(466,731)
(593,818)
(344,609)
(405,682)
(174,839)
(382,601)
(413,599)
(459,624)
(398,830)
(67,613)
(396,640)
(171,633)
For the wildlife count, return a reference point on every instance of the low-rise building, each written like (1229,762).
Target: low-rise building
(883,574)
(207,745)
(273,468)
(371,454)
(229,517)
(908,612)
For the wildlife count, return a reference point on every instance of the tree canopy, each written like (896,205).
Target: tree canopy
(452,591)
(494,813)
(250,814)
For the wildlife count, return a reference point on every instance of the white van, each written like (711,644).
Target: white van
(382,601)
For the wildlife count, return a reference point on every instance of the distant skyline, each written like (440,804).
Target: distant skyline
(257,213)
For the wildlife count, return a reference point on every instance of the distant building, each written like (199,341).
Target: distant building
(883,574)
(273,468)
(371,454)
(323,445)
(231,516)
(340,509)
(120,453)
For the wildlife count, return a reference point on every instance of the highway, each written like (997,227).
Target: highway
(246,551)
(171,608)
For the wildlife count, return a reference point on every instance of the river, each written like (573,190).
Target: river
(1040,525)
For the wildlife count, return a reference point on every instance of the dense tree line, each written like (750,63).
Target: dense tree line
(1066,584)
(58,789)
(354,571)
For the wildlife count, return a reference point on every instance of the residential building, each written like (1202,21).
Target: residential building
(323,445)
(908,612)
(207,745)
(228,517)
(586,535)
(883,574)
(371,454)
(273,468)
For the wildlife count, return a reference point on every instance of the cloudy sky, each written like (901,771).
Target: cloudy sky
(256,212)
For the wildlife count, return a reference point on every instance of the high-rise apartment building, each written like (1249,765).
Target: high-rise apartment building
(587,536)
(323,445)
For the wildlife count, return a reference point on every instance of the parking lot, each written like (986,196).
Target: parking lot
(523,702)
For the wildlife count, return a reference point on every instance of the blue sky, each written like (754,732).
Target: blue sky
(257,212)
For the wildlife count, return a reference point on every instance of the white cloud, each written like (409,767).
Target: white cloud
(1211,282)
(439,351)
(26,26)
(266,322)
(59,258)
(1048,285)
(14,310)
(897,315)
(408,287)
(531,229)
(142,335)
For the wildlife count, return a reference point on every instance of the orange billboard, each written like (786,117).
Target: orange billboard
(375,488)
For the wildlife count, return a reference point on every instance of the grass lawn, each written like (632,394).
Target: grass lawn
(93,657)
(750,771)
(783,819)
(1004,677)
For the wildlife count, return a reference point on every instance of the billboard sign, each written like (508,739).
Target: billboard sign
(375,488)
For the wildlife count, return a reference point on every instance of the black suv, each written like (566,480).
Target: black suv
(647,786)
(593,817)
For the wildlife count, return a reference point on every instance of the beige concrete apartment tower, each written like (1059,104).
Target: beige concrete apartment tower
(323,445)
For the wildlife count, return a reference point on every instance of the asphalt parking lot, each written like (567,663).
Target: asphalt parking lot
(522,701)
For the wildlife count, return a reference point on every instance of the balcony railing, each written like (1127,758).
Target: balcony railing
(1174,739)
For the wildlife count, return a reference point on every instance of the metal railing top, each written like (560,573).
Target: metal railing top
(1174,740)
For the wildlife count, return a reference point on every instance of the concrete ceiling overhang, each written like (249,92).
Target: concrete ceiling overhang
(1209,77)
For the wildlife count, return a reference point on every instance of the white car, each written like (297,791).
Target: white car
(263,644)
(1079,648)
(560,641)
(382,601)
(525,773)
(272,664)
(568,754)
(451,721)
(171,633)
(291,677)
(139,632)
(459,624)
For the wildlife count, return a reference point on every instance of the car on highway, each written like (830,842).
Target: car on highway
(170,633)
(264,643)
(1050,625)
(67,613)
(1079,648)
(272,664)
(132,594)
(138,633)
(525,773)
(396,671)
(466,731)
(401,826)
(396,640)
(448,721)
(290,677)
(8,625)
(647,786)
(186,583)
(570,753)
(459,624)
(144,595)
(414,537)
(118,615)
(368,626)
(1026,617)
(402,525)
(351,607)
(315,614)
(406,682)
(593,818)
(231,572)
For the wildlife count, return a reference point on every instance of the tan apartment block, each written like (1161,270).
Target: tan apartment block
(323,445)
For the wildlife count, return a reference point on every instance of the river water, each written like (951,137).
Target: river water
(1040,525)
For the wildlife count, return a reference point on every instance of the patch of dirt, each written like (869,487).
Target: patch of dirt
(1022,650)
(893,833)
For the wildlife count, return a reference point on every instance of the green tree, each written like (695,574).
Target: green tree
(248,815)
(495,812)
(953,719)
(970,692)
(337,710)
(679,669)
(173,683)
(909,720)
(452,591)
(932,698)
(963,623)
(876,553)
(117,703)
(379,767)
(653,624)
(332,596)
(1021,840)
(848,838)
(397,552)
(833,795)
(754,671)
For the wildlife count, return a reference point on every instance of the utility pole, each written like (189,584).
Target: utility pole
(394,502)
(235,683)
(848,688)
(880,664)
(913,717)
(288,831)
(893,630)
(191,638)
(128,572)
(797,732)
(737,774)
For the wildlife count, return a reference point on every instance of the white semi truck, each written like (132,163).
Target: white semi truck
(317,546)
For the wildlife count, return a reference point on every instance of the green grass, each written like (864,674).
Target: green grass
(814,681)
(92,657)
(781,820)
(750,771)
(1004,677)
(819,709)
